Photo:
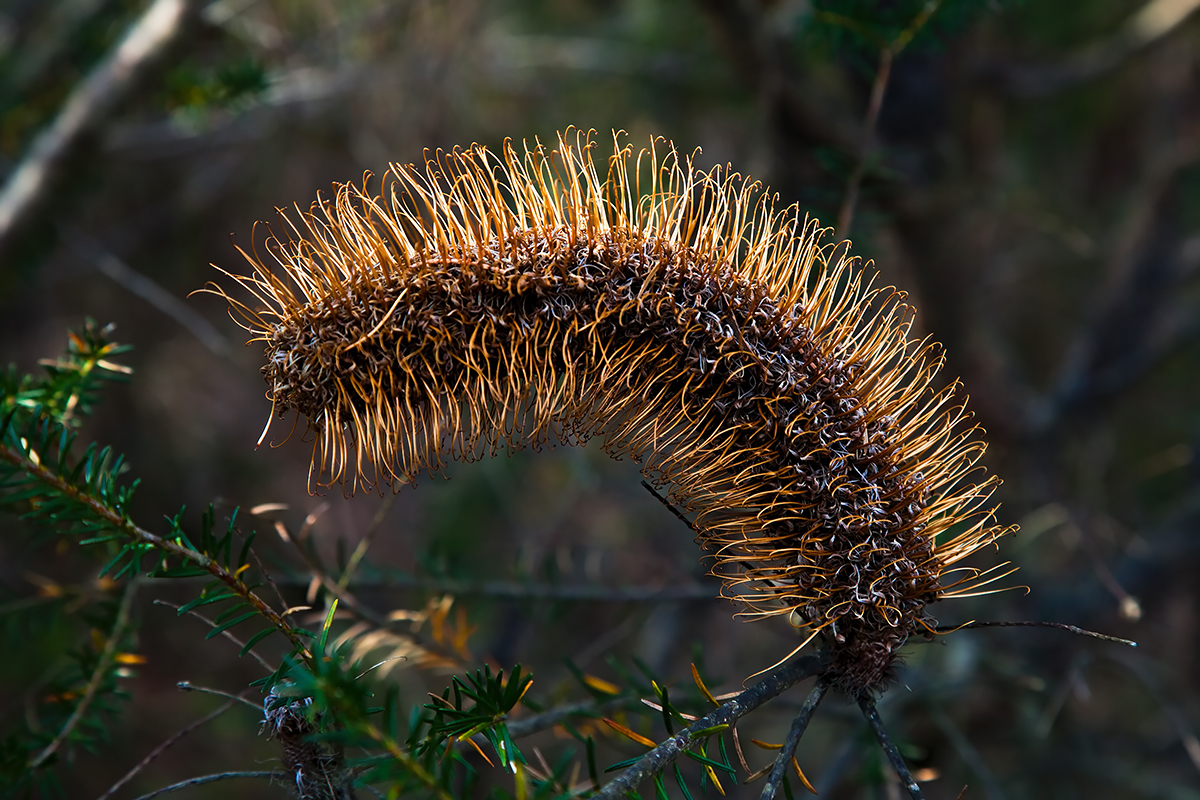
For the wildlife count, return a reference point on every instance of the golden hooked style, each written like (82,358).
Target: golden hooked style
(529,297)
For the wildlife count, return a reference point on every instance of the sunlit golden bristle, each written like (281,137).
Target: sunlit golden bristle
(494,301)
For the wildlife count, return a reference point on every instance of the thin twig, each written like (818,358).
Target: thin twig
(1154,21)
(193,612)
(799,726)
(867,704)
(170,740)
(835,767)
(349,599)
(114,268)
(1191,744)
(887,55)
(1075,679)
(777,681)
(108,84)
(188,686)
(262,568)
(548,719)
(669,505)
(365,542)
(1129,606)
(117,521)
(220,776)
(845,217)
(1060,625)
(513,590)
(102,665)
(969,755)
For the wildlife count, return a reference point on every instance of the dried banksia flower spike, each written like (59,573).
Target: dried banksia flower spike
(533,297)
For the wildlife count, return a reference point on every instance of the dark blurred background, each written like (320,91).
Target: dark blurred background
(1026,170)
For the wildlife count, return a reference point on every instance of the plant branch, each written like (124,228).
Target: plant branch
(427,779)
(867,704)
(679,515)
(117,270)
(883,74)
(799,726)
(761,62)
(220,776)
(1153,22)
(777,681)
(513,590)
(365,542)
(845,217)
(548,719)
(102,666)
(351,601)
(236,641)
(117,521)
(168,742)
(1060,625)
(108,84)
(188,686)
(968,753)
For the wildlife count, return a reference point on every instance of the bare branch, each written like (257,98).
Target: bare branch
(236,641)
(188,686)
(220,776)
(365,542)
(107,85)
(883,74)
(845,217)
(170,740)
(530,725)
(776,683)
(969,755)
(867,704)
(1060,625)
(102,665)
(788,751)
(513,590)
(120,272)
(1155,20)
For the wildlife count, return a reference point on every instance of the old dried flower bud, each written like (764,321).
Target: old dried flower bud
(318,772)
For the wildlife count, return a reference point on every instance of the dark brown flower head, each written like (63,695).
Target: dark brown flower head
(317,770)
(497,301)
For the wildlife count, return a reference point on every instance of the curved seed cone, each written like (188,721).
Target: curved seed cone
(501,300)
